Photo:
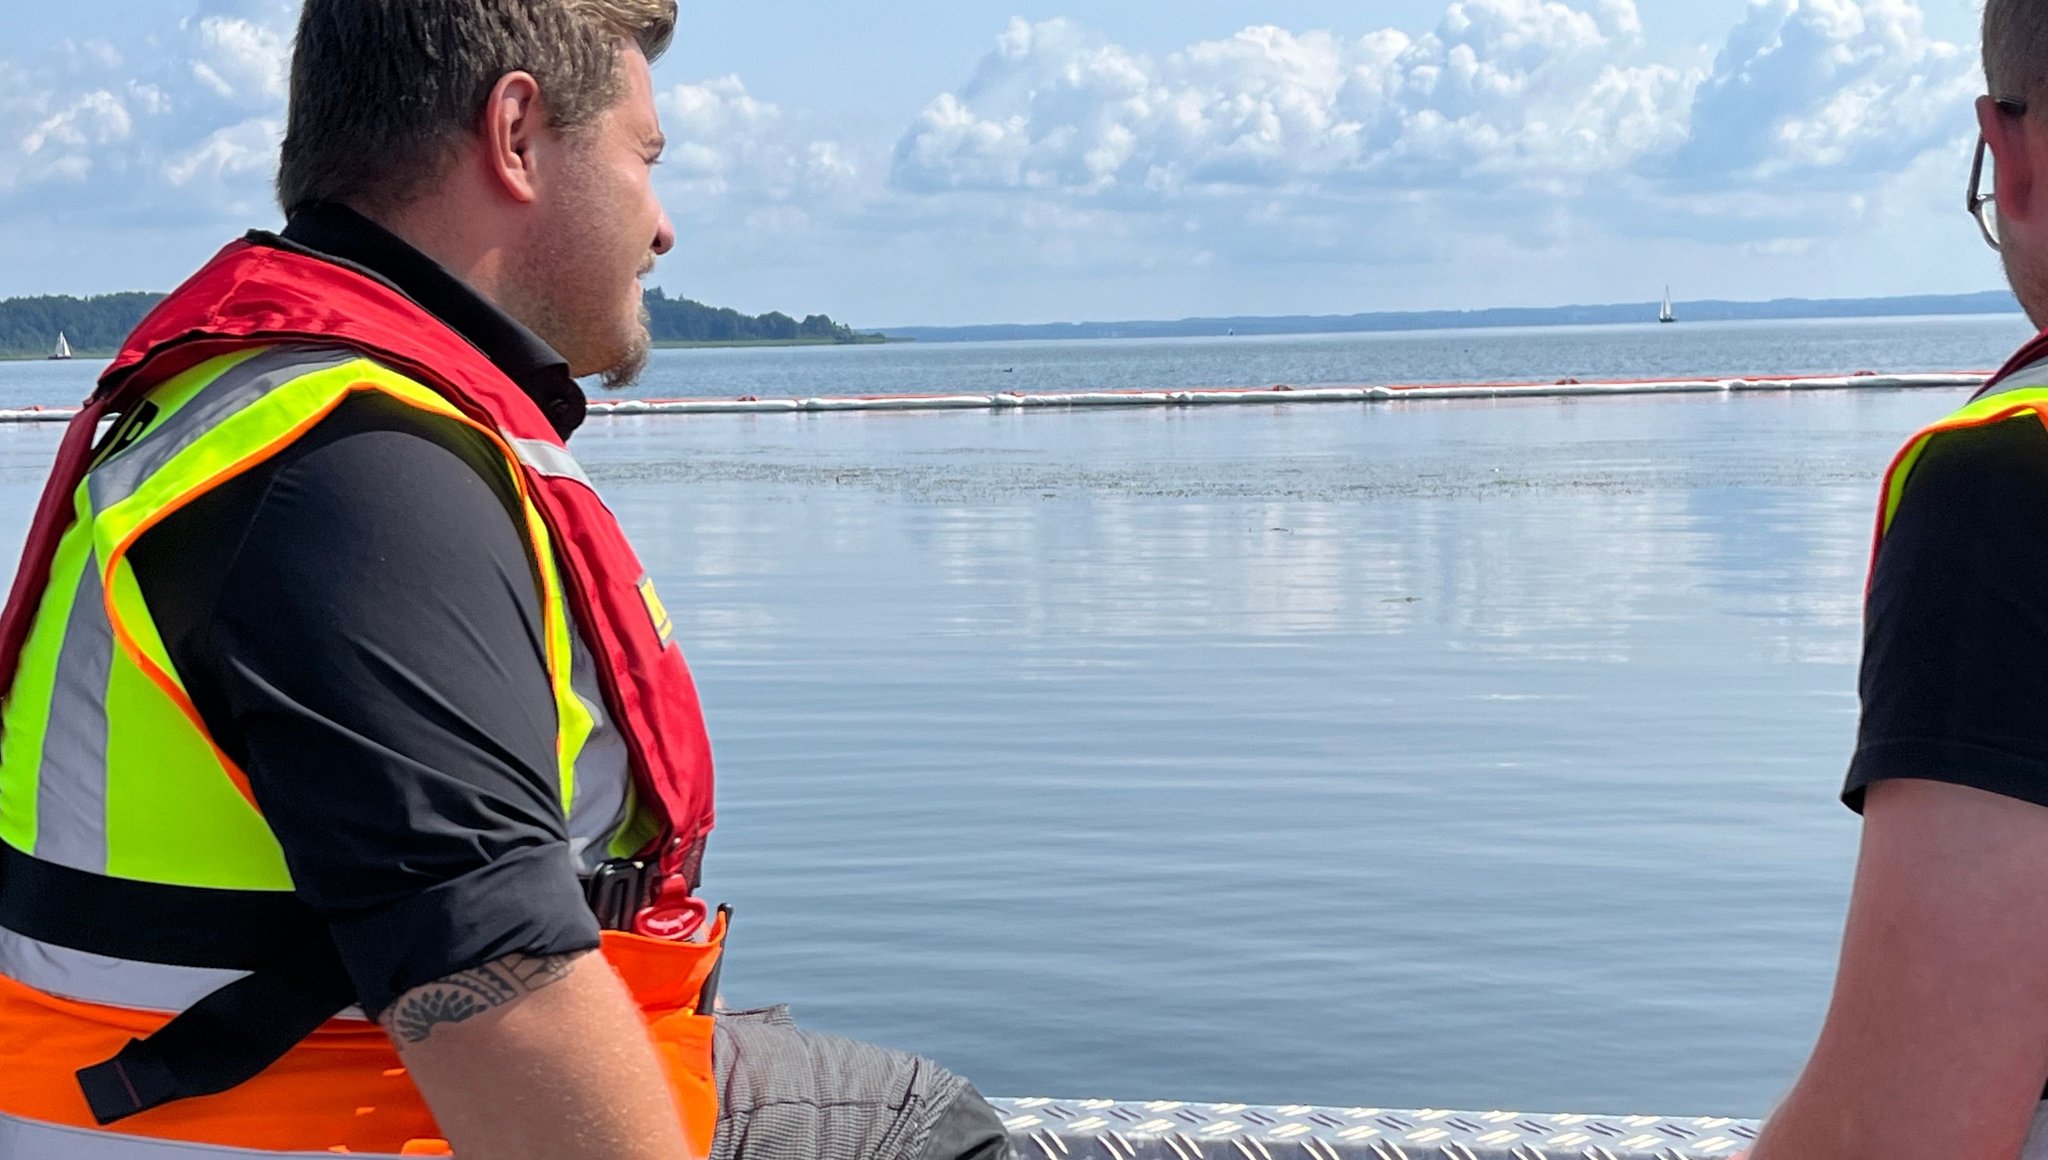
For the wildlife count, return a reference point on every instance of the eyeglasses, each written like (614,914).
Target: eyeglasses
(1983,206)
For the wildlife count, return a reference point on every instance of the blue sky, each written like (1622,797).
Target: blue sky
(972,161)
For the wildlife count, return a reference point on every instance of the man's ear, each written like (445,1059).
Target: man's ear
(513,121)
(2012,149)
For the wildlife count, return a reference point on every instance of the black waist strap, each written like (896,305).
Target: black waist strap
(222,1041)
(295,983)
(179,926)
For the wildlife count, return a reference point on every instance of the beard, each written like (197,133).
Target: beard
(561,309)
(625,371)
(567,286)
(2023,271)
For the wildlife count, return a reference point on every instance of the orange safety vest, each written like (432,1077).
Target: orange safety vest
(343,1089)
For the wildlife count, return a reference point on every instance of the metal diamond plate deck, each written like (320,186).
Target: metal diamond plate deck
(1046,1129)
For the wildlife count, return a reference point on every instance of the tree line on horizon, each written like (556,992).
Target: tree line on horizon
(686,320)
(96,325)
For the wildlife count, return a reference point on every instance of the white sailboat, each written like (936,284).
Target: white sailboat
(1665,314)
(63,347)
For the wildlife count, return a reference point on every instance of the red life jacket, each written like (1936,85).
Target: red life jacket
(252,294)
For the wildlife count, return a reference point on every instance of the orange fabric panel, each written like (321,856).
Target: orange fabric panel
(344,1088)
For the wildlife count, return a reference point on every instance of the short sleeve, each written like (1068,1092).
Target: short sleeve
(361,622)
(1955,654)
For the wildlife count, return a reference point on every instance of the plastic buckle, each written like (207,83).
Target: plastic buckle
(617,891)
(671,913)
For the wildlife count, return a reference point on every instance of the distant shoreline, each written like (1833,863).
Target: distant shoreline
(1710,310)
(724,344)
(35,325)
(1990,303)
(673,344)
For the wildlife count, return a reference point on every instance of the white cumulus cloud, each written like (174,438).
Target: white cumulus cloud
(1533,91)
(718,132)
(1538,135)
(729,148)
(1805,88)
(1546,96)
(246,149)
(195,136)
(240,59)
(97,118)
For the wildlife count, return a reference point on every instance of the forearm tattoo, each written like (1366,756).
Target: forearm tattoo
(460,998)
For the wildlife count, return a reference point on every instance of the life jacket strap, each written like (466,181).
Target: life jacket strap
(295,981)
(179,926)
(222,1041)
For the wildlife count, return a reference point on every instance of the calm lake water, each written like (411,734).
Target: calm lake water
(1465,755)
(1536,354)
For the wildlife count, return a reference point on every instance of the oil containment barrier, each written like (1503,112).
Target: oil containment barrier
(1044,1129)
(1283,395)
(1225,396)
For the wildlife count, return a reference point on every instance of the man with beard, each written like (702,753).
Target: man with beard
(352,789)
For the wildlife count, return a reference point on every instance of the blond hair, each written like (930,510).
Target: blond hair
(383,90)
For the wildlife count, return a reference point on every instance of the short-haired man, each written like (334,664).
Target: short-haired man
(1936,1043)
(331,684)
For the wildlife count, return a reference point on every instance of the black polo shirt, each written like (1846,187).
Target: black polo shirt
(1955,653)
(358,623)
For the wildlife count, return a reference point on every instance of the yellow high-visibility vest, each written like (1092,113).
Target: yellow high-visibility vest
(105,765)
(2024,391)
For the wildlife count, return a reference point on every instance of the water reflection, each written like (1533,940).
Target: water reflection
(1347,754)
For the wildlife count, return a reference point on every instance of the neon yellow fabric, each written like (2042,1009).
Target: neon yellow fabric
(177,811)
(173,814)
(1994,409)
(25,718)
(175,393)
(574,718)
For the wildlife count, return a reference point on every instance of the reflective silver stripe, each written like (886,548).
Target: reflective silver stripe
(603,770)
(2030,377)
(235,389)
(71,793)
(550,460)
(603,776)
(90,978)
(25,1139)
